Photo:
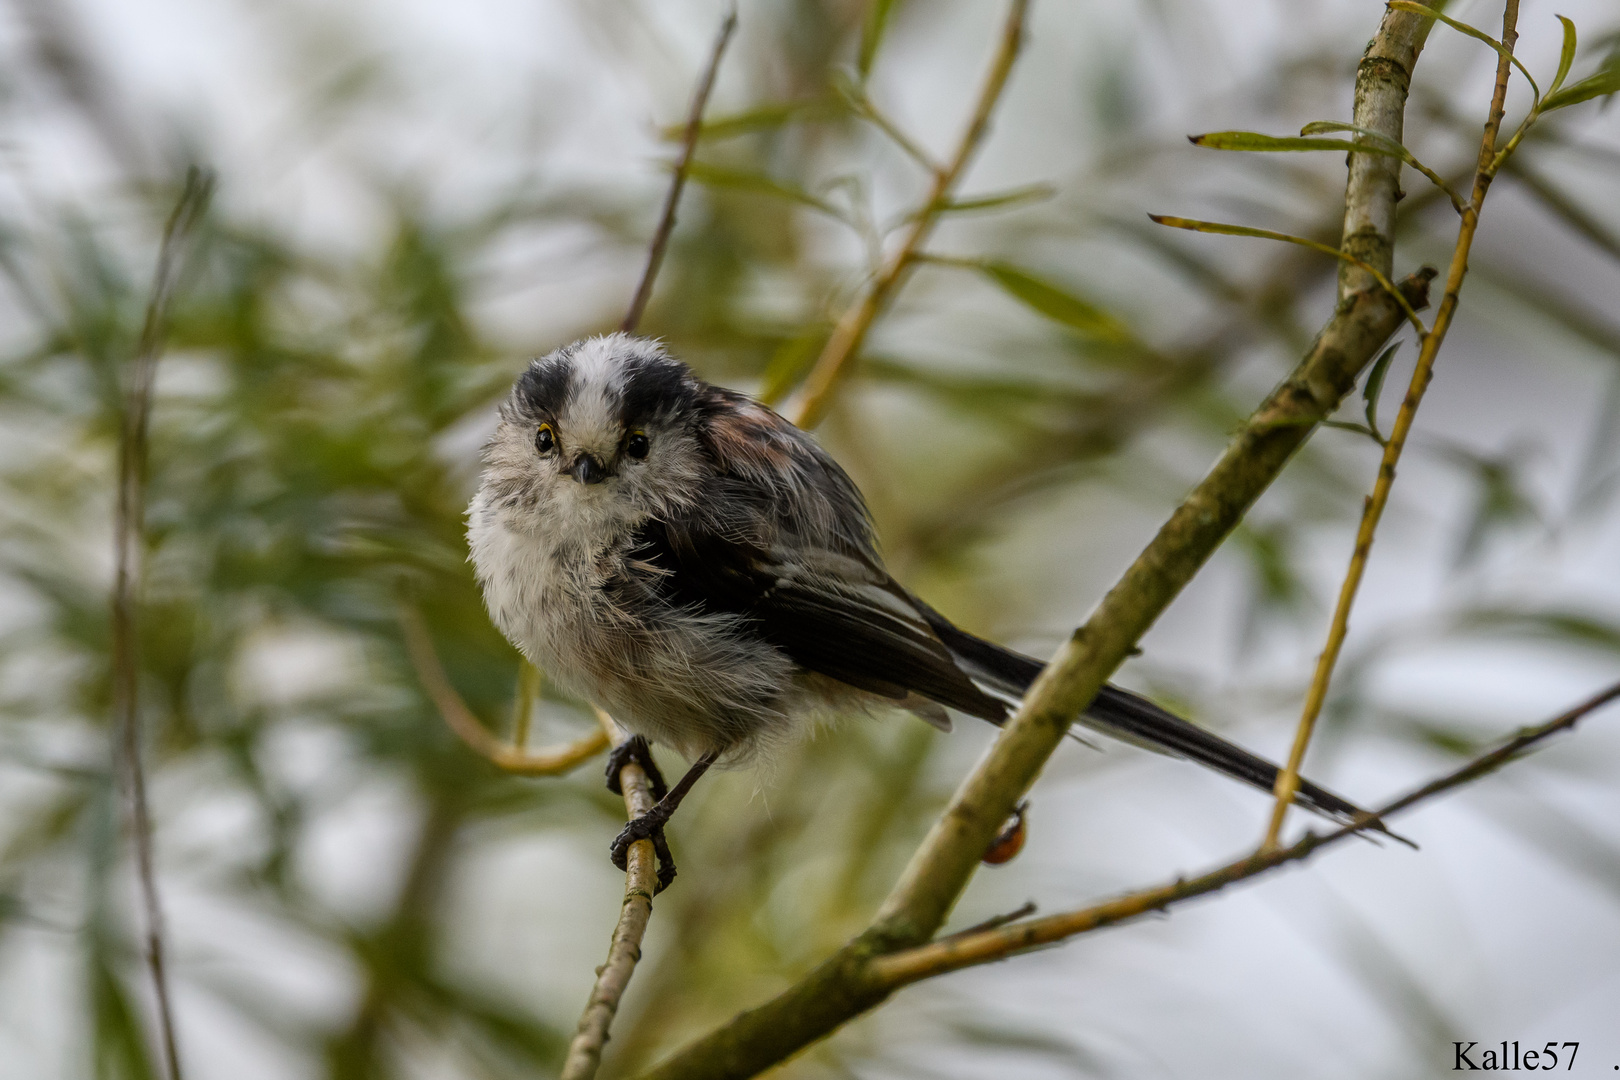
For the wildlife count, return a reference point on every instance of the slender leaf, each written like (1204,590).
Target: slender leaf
(1049,299)
(1266,234)
(1392,146)
(1359,429)
(872,30)
(1375,386)
(1605,82)
(1477,35)
(999,200)
(757,183)
(760,118)
(1566,58)
(1255,142)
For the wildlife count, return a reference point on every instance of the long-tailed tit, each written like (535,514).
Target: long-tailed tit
(688,560)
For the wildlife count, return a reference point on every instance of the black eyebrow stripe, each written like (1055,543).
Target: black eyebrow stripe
(545,386)
(653,387)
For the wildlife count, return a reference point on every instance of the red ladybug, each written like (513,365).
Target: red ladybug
(1009,841)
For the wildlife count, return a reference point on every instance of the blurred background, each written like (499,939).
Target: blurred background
(415,198)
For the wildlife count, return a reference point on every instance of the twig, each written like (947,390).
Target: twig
(640,882)
(460,719)
(994,922)
(1362,322)
(1288,779)
(1287,238)
(666,222)
(966,950)
(641,879)
(851,328)
(523,699)
(129,530)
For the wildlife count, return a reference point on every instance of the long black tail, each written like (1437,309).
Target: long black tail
(1133,719)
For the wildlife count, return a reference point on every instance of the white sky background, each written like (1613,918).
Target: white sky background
(1507,942)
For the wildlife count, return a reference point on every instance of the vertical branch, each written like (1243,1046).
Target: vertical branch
(640,882)
(641,878)
(839,352)
(1372,513)
(129,527)
(666,222)
(1373,186)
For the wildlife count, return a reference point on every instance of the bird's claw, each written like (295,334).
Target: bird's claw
(649,826)
(635,749)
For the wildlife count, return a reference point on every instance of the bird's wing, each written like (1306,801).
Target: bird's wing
(829,612)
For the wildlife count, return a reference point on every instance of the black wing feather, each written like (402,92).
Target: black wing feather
(843,631)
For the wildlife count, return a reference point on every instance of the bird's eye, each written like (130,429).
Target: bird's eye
(545,440)
(637,445)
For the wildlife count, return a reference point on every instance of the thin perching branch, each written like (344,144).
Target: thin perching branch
(666,221)
(839,989)
(1288,779)
(847,335)
(970,949)
(641,879)
(640,883)
(461,720)
(129,536)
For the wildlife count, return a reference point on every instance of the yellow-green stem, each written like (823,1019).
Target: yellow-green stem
(1373,511)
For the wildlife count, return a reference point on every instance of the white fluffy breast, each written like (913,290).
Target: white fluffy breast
(695,681)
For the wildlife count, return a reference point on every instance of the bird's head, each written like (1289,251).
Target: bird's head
(605,428)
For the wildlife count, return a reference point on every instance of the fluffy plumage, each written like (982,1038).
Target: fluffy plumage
(716,590)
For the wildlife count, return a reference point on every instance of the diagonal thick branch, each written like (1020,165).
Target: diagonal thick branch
(1364,318)
(967,950)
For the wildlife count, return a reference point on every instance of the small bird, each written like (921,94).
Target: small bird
(699,567)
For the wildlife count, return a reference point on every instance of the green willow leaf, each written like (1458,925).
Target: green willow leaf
(1051,300)
(1255,142)
(1375,386)
(757,183)
(1606,81)
(760,118)
(1566,58)
(872,30)
(1476,34)
(998,200)
(1388,286)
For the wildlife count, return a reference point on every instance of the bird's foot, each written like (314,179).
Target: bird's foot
(634,749)
(649,826)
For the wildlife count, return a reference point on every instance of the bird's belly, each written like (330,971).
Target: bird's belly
(692,680)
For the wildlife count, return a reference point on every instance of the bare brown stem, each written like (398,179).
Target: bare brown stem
(967,950)
(460,719)
(640,883)
(850,331)
(677,182)
(1288,779)
(129,535)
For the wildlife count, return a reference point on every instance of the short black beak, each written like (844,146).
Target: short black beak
(587,470)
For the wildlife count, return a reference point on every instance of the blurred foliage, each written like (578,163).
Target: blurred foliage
(313,451)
